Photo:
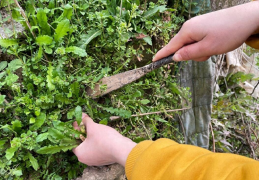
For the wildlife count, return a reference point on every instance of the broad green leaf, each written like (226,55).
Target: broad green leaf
(51,86)
(44,40)
(144,101)
(39,121)
(11,78)
(75,88)
(68,11)
(62,29)
(56,133)
(87,38)
(14,65)
(54,149)
(2,74)
(70,114)
(2,142)
(2,97)
(10,152)
(76,50)
(120,112)
(34,162)
(8,42)
(3,65)
(153,11)
(42,137)
(78,114)
(40,53)
(17,125)
(43,22)
(17,172)
(104,121)
(148,40)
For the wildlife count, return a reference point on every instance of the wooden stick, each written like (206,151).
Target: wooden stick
(213,139)
(112,118)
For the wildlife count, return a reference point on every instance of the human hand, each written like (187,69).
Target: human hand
(213,33)
(103,145)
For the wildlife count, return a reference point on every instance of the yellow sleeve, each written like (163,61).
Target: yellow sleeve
(165,159)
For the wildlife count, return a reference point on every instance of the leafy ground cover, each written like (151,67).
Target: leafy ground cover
(68,46)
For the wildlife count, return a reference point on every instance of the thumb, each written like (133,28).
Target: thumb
(197,52)
(175,43)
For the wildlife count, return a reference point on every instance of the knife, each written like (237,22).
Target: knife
(119,80)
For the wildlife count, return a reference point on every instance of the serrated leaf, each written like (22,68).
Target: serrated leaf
(34,162)
(56,133)
(10,79)
(78,114)
(10,152)
(148,40)
(44,40)
(42,137)
(39,121)
(54,149)
(144,101)
(87,38)
(76,50)
(153,11)
(3,65)
(8,42)
(62,29)
(68,142)
(43,22)
(14,65)
(2,97)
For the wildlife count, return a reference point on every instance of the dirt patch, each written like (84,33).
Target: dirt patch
(111,172)
(8,27)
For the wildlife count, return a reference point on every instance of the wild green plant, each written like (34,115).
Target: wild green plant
(69,46)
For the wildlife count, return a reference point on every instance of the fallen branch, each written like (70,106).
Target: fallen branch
(112,118)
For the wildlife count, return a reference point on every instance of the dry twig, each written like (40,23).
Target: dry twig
(112,118)
(213,139)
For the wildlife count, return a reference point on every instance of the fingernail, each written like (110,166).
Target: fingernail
(177,57)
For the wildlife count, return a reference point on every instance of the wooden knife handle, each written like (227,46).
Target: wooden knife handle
(158,64)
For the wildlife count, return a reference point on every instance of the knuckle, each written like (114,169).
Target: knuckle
(186,53)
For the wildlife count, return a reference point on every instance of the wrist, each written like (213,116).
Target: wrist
(121,149)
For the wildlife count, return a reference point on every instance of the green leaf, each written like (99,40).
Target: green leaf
(2,97)
(2,142)
(62,29)
(160,119)
(11,78)
(51,86)
(56,133)
(3,65)
(42,137)
(2,75)
(17,172)
(14,65)
(8,42)
(44,40)
(120,112)
(68,11)
(54,149)
(78,114)
(153,11)
(10,152)
(17,125)
(34,162)
(104,121)
(68,142)
(87,38)
(43,22)
(39,121)
(148,40)
(144,101)
(76,50)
